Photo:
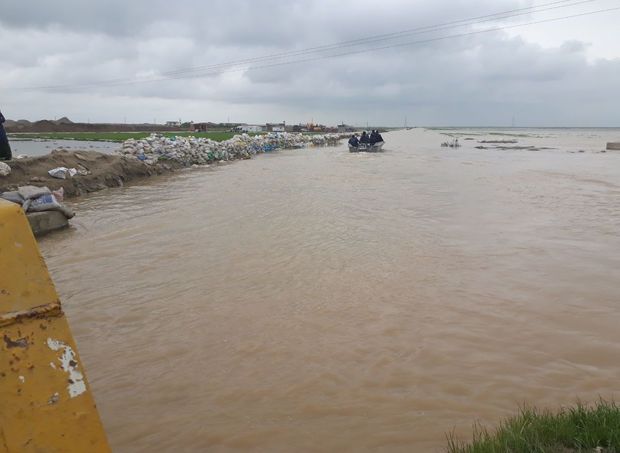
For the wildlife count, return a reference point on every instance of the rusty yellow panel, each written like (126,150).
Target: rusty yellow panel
(24,280)
(45,400)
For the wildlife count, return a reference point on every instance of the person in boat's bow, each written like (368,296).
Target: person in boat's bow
(353,141)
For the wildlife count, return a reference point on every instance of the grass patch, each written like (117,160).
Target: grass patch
(581,428)
(117,136)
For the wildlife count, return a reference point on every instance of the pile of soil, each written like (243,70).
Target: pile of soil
(103,170)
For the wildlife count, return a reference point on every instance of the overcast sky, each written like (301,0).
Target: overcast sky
(564,73)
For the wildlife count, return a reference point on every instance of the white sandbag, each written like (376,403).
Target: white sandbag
(29,192)
(62,172)
(47,202)
(5,170)
(14,197)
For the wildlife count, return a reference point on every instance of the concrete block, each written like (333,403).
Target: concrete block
(613,146)
(44,222)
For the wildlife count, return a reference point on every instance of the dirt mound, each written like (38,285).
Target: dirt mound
(104,170)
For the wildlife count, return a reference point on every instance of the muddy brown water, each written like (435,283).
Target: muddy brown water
(317,300)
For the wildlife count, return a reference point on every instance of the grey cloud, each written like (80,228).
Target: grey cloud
(478,79)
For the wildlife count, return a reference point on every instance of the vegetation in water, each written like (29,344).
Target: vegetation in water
(581,428)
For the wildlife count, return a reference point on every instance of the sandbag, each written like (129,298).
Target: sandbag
(47,202)
(59,194)
(13,196)
(30,192)
(62,172)
(5,170)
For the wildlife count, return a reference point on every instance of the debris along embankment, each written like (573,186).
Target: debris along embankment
(147,157)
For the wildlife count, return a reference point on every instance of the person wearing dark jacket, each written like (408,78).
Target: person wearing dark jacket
(5,148)
(353,141)
(364,138)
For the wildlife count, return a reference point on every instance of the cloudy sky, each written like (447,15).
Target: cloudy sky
(156,60)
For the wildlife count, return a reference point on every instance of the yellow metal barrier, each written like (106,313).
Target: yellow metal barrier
(45,401)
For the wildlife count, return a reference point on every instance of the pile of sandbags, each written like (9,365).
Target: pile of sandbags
(38,199)
(199,151)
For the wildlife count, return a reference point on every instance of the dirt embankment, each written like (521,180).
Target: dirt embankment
(103,170)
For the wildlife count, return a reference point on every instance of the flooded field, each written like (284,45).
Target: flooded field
(318,300)
(41,147)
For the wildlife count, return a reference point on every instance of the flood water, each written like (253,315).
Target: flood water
(41,147)
(317,300)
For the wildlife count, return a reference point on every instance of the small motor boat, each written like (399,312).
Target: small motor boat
(367,148)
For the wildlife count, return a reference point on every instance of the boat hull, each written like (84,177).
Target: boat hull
(364,148)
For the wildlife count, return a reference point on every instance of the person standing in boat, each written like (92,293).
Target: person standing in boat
(353,141)
(5,148)
(378,137)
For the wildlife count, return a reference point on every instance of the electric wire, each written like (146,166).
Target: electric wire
(204,71)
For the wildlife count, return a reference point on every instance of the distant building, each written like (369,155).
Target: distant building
(249,128)
(345,128)
(173,124)
(276,127)
(203,127)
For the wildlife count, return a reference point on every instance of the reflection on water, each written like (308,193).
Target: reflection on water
(317,300)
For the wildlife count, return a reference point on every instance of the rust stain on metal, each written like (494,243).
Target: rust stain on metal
(42,311)
(19,343)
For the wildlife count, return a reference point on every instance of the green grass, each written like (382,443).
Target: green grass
(581,428)
(117,136)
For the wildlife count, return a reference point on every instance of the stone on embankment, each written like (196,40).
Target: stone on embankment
(613,146)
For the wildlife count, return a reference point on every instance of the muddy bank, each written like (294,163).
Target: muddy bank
(101,171)
(151,156)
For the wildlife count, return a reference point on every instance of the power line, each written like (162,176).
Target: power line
(394,35)
(410,43)
(335,46)
(214,69)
